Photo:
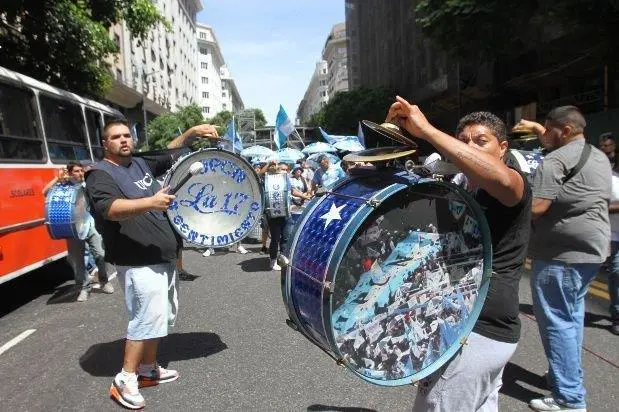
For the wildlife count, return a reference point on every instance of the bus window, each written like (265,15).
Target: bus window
(18,136)
(93,121)
(64,129)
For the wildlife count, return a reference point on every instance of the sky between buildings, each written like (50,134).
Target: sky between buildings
(271,46)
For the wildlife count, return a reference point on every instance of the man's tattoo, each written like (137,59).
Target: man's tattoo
(480,162)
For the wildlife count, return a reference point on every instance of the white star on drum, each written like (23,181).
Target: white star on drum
(332,214)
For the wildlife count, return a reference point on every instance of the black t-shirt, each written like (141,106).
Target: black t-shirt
(509,228)
(142,240)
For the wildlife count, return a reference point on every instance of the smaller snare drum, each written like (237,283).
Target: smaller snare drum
(66,214)
(277,194)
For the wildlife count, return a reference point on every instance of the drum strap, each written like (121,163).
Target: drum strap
(584,156)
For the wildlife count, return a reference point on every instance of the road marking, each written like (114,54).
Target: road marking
(599,293)
(16,340)
(599,285)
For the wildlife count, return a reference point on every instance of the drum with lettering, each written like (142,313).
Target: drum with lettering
(218,206)
(525,161)
(66,212)
(277,194)
(387,273)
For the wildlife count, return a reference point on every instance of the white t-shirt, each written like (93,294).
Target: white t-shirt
(614,217)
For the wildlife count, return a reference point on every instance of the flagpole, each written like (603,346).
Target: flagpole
(233,135)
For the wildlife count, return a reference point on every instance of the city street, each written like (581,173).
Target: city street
(232,348)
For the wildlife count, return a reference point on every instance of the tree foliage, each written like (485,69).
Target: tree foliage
(163,129)
(65,42)
(475,29)
(341,115)
(222,118)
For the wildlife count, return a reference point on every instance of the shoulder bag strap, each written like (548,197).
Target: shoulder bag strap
(584,156)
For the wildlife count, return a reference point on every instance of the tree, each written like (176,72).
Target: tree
(163,129)
(341,115)
(484,30)
(65,42)
(222,118)
(261,121)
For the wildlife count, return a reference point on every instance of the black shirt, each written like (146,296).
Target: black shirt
(142,240)
(509,228)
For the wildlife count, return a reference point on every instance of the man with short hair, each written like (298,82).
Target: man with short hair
(327,174)
(471,380)
(569,242)
(130,206)
(74,174)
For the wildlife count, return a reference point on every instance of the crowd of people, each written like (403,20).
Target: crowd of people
(566,207)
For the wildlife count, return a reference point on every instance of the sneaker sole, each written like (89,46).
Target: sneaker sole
(144,382)
(116,396)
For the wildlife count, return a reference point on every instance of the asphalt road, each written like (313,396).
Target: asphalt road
(232,348)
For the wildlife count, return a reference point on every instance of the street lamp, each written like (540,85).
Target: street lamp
(144,79)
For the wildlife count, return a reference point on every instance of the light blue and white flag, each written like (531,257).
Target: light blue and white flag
(233,137)
(283,128)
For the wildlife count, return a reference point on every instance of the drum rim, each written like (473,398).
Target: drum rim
(337,254)
(170,172)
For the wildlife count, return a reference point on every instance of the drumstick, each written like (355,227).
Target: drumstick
(194,169)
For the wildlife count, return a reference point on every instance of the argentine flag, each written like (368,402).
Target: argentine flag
(283,127)
(233,137)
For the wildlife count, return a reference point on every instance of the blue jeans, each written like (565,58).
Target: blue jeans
(559,291)
(613,281)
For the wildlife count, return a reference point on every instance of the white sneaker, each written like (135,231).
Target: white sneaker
(549,404)
(275,266)
(83,296)
(240,249)
(125,391)
(208,252)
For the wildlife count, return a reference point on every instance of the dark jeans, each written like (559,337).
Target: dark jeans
(278,236)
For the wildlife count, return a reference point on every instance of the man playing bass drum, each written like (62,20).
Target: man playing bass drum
(129,208)
(471,380)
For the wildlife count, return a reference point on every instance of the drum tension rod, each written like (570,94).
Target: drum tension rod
(370,202)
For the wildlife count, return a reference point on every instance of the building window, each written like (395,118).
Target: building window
(205,95)
(203,35)
(153,57)
(223,94)
(204,65)
(117,40)
(206,110)
(203,50)
(119,74)
(204,80)
(225,106)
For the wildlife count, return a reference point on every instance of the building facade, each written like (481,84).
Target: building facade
(316,95)
(217,90)
(330,74)
(158,74)
(336,56)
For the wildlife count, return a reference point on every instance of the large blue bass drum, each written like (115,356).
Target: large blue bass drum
(387,273)
(66,212)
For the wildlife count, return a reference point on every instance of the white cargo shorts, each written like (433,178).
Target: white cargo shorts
(151,296)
